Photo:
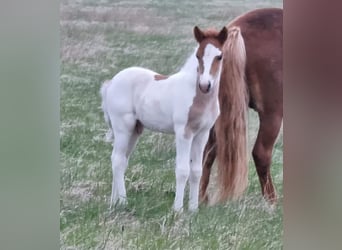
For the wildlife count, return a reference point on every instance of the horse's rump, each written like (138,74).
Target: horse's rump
(262,31)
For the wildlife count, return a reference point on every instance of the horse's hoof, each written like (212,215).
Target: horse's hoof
(270,207)
(204,199)
(193,210)
(178,209)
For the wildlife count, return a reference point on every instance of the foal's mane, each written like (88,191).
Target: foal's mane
(210,33)
(211,36)
(192,62)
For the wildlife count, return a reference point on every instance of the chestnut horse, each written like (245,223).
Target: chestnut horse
(251,77)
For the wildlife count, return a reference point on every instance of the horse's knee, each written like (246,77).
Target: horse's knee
(182,174)
(195,174)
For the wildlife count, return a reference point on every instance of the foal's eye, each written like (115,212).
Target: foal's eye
(219,57)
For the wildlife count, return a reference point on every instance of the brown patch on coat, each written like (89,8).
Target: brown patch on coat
(215,66)
(160,77)
(199,104)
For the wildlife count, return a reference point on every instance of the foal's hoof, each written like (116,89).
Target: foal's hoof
(193,210)
(118,204)
(193,206)
(178,209)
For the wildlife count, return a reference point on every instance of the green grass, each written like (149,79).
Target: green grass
(99,38)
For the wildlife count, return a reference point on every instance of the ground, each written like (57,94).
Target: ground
(98,39)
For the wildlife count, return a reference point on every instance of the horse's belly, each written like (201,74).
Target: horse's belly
(154,118)
(159,127)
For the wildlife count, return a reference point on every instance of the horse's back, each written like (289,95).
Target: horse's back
(133,76)
(262,30)
(260,19)
(131,80)
(124,86)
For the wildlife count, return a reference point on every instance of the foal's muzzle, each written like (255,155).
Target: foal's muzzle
(205,88)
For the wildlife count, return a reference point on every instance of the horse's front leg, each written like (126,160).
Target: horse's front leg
(183,145)
(197,149)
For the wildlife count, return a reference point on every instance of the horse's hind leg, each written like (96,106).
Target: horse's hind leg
(262,153)
(119,165)
(209,156)
(138,129)
(124,143)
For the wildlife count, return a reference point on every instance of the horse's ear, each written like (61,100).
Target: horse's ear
(222,36)
(198,34)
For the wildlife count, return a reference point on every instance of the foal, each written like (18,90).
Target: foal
(185,104)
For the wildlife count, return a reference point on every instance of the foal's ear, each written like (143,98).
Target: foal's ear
(222,36)
(199,35)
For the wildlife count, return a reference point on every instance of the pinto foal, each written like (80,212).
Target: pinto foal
(185,104)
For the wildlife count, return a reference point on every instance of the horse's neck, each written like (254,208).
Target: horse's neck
(188,72)
(191,64)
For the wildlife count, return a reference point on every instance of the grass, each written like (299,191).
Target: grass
(99,38)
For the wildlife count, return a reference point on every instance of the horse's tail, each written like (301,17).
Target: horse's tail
(230,128)
(103,93)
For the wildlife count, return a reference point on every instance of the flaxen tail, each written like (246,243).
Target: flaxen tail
(103,92)
(231,126)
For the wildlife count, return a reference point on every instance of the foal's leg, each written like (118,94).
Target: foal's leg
(119,165)
(124,143)
(183,146)
(197,148)
(262,153)
(209,156)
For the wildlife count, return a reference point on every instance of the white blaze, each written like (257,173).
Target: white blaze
(210,53)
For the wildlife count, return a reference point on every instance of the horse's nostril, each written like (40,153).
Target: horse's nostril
(209,85)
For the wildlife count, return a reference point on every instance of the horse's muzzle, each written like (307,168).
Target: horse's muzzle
(205,88)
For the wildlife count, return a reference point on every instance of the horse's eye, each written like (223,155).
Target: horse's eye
(197,56)
(219,57)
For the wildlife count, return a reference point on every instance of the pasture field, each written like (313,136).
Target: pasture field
(98,39)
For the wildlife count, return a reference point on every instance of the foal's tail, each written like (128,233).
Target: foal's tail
(103,92)
(230,128)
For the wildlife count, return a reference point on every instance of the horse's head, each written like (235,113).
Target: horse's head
(209,56)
